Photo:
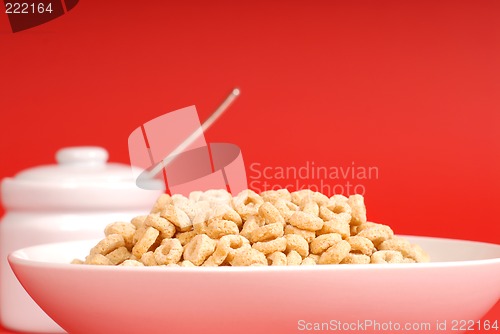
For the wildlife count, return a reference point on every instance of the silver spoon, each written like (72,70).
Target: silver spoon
(192,137)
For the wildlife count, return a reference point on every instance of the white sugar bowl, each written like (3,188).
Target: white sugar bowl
(72,200)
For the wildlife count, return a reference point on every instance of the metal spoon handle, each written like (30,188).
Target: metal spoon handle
(197,133)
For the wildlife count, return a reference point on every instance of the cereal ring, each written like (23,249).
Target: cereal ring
(308,262)
(326,214)
(309,206)
(339,204)
(119,255)
(320,198)
(201,206)
(268,247)
(398,244)
(248,256)
(148,259)
(308,235)
(200,222)
(336,253)
(236,242)
(77,261)
(352,258)
(354,230)
(131,263)
(323,242)
(299,195)
(178,199)
(358,213)
(224,211)
(218,228)
(313,257)
(126,230)
(267,232)
(387,256)
(166,229)
(108,244)
(367,225)
(273,195)
(194,196)
(247,203)
(185,237)
(187,264)
(233,216)
(306,221)
(190,208)
(138,234)
(214,260)
(156,244)
(285,208)
(170,265)
(170,251)
(361,245)
(161,203)
(336,226)
(217,196)
(419,254)
(293,259)
(225,246)
(199,249)
(295,242)
(249,226)
(98,259)
(177,217)
(147,240)
(277,259)
(377,234)
(138,221)
(270,214)
(232,252)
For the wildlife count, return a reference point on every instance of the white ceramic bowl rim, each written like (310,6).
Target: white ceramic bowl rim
(21,257)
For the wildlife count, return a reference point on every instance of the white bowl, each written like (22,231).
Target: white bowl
(462,283)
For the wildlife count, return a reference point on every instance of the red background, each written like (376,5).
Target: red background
(410,87)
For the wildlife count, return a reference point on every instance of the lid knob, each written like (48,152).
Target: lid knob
(82,155)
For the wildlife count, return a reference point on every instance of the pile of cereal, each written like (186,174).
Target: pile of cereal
(276,228)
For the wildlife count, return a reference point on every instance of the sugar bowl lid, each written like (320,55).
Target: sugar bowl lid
(81,179)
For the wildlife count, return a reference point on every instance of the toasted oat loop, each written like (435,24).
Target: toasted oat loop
(275,228)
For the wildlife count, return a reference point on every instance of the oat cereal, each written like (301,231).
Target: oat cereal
(274,228)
